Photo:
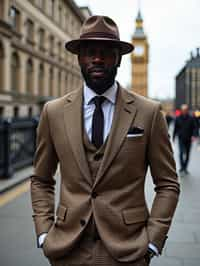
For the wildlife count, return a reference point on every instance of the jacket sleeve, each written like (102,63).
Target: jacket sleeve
(163,171)
(42,181)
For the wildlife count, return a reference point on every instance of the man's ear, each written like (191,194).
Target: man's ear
(119,61)
(78,58)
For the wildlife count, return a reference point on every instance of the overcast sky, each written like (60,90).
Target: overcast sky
(173,31)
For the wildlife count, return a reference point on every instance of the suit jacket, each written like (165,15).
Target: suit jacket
(119,208)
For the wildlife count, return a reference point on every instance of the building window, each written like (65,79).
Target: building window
(41,34)
(59,84)
(30,31)
(60,15)
(29,76)
(59,50)
(51,45)
(15,72)
(14,15)
(51,79)
(30,112)
(51,7)
(41,4)
(1,66)
(1,112)
(41,80)
(16,112)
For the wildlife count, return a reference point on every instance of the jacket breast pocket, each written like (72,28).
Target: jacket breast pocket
(133,143)
(135,215)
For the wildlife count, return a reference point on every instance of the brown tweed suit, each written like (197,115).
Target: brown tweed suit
(116,197)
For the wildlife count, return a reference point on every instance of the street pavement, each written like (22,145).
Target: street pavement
(18,242)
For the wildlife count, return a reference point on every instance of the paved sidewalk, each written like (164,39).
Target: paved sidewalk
(17,178)
(183,245)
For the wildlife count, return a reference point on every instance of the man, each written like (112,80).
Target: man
(104,138)
(184,128)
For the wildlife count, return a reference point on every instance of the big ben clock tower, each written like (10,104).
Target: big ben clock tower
(139,59)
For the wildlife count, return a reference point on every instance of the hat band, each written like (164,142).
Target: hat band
(105,35)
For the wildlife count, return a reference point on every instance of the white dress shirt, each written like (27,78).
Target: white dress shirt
(108,107)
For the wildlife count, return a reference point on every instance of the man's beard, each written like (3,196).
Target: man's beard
(99,84)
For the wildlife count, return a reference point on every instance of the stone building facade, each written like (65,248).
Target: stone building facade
(34,65)
(188,83)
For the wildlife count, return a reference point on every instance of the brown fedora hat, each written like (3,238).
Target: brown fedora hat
(99,28)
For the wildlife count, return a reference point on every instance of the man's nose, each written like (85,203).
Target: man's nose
(98,57)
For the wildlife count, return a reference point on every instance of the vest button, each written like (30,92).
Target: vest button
(82,222)
(98,156)
(94,195)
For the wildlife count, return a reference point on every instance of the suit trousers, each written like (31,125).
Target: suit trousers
(92,253)
(184,152)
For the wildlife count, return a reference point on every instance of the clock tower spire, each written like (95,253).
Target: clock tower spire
(140,58)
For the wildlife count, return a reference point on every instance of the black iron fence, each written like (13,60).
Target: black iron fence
(17,144)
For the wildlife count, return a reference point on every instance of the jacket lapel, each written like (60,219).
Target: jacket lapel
(124,115)
(73,126)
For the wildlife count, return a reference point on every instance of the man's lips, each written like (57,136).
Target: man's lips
(97,72)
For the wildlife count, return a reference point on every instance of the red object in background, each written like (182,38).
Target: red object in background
(177,112)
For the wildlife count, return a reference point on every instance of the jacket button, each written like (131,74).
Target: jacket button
(98,156)
(94,194)
(82,222)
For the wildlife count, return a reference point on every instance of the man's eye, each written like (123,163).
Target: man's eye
(90,52)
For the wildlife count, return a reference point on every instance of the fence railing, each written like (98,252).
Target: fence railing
(17,144)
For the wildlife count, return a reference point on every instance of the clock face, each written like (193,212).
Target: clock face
(139,50)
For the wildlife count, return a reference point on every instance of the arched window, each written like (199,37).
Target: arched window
(15,72)
(51,79)
(1,66)
(29,76)
(16,111)
(41,79)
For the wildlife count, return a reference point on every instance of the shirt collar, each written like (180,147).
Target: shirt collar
(110,94)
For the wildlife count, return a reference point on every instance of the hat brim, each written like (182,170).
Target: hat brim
(74,45)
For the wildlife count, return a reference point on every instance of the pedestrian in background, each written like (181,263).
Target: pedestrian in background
(104,139)
(185,129)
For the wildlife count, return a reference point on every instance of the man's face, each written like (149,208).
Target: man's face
(184,110)
(98,61)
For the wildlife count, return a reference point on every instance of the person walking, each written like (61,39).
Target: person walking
(104,139)
(185,129)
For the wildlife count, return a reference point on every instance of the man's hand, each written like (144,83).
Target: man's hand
(149,255)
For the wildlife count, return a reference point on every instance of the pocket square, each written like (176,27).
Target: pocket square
(134,135)
(136,131)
